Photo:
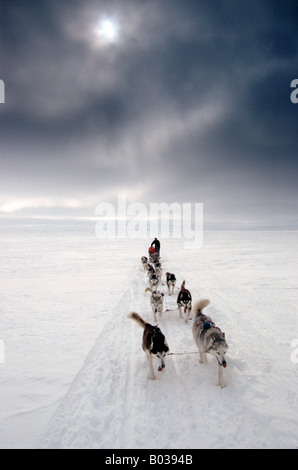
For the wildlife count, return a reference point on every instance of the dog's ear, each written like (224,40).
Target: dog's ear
(166,346)
(224,338)
(210,342)
(212,338)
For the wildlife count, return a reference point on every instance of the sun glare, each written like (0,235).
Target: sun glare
(108,30)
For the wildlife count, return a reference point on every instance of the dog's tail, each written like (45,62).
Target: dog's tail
(148,289)
(182,285)
(199,305)
(136,317)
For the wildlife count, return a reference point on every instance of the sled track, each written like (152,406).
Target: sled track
(113,405)
(116,405)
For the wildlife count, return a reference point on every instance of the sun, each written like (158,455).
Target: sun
(108,30)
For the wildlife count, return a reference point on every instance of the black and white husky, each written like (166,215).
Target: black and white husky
(209,338)
(171,282)
(184,301)
(154,343)
(150,269)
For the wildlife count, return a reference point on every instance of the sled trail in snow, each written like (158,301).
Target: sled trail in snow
(112,403)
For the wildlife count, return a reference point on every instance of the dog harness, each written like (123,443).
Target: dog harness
(156,330)
(185,296)
(185,291)
(206,325)
(155,292)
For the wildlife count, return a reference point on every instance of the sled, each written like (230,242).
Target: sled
(153,255)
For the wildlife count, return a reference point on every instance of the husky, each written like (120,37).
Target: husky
(154,343)
(150,269)
(153,257)
(158,269)
(209,338)
(144,261)
(171,282)
(156,301)
(184,301)
(153,280)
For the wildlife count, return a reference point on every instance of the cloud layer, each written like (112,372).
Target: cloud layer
(190,103)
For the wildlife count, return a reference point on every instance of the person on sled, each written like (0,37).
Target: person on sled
(156,245)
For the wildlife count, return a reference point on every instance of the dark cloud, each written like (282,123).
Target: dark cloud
(192,103)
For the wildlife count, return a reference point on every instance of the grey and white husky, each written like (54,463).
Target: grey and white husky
(144,261)
(209,338)
(154,343)
(153,280)
(158,270)
(156,301)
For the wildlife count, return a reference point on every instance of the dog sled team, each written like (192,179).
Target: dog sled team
(207,336)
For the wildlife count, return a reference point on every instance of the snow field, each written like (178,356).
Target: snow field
(57,284)
(112,404)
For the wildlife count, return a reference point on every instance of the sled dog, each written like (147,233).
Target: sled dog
(153,257)
(158,270)
(156,301)
(150,269)
(184,301)
(209,338)
(144,261)
(171,282)
(154,343)
(153,280)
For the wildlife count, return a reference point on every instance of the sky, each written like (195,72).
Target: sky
(160,100)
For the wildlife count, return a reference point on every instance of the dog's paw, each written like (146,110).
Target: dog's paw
(222,385)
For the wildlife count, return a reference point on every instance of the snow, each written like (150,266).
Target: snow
(75,375)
